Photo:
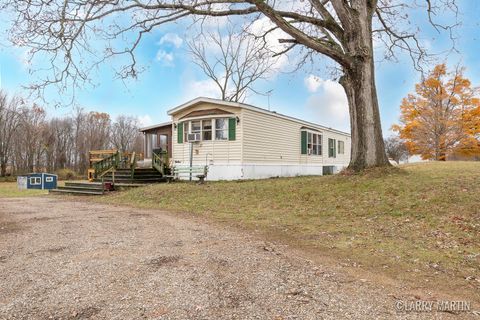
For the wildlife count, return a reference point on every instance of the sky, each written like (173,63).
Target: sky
(171,78)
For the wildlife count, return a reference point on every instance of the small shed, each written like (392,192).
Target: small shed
(41,181)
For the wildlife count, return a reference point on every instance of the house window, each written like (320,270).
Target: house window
(186,131)
(154,138)
(332,148)
(341,147)
(35,181)
(309,142)
(195,126)
(221,129)
(163,142)
(314,143)
(206,129)
(209,129)
(317,144)
(49,179)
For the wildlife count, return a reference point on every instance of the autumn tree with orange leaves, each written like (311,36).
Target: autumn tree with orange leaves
(442,117)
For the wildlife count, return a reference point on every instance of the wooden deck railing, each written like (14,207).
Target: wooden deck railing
(106,164)
(160,161)
(104,161)
(95,156)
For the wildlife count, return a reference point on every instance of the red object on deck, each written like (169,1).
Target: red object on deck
(108,186)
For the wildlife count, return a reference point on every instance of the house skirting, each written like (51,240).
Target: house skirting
(264,171)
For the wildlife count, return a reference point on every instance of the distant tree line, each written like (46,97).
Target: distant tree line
(32,141)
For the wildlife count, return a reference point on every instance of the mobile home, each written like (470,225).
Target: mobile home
(240,141)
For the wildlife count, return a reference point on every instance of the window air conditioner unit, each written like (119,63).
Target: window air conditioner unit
(193,137)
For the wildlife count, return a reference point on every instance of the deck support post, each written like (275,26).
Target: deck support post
(191,159)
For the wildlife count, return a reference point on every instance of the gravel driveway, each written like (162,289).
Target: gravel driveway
(69,259)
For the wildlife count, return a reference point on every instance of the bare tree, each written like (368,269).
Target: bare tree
(233,61)
(50,141)
(396,149)
(9,122)
(62,131)
(341,30)
(97,130)
(29,143)
(80,156)
(124,132)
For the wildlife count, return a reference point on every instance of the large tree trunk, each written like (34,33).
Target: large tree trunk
(368,149)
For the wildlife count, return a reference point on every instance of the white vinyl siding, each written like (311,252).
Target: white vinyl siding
(270,139)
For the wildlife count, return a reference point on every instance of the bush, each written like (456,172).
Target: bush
(66,174)
(8,179)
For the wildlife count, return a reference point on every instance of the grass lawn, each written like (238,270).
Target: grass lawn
(420,223)
(9,190)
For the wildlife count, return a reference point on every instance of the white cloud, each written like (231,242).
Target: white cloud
(312,83)
(171,38)
(259,27)
(200,88)
(165,57)
(328,105)
(169,42)
(145,120)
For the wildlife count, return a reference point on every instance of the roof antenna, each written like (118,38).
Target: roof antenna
(269,93)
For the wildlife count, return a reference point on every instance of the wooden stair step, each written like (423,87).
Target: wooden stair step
(84,184)
(95,188)
(78,192)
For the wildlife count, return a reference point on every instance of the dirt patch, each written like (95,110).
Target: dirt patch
(219,262)
(54,249)
(85,313)
(162,261)
(9,227)
(43,218)
(178,243)
(24,212)
(140,215)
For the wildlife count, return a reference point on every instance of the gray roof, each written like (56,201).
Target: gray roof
(163,124)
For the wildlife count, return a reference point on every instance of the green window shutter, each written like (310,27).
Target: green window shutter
(334,148)
(303,141)
(232,128)
(180,132)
